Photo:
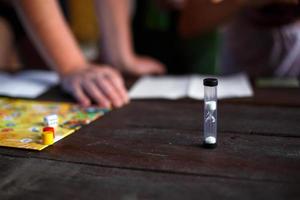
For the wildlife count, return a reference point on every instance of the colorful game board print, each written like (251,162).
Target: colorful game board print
(21,121)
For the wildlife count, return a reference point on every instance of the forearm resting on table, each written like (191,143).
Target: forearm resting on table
(50,33)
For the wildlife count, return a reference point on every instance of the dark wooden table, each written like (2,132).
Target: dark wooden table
(151,150)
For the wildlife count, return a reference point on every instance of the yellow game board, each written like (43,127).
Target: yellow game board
(21,122)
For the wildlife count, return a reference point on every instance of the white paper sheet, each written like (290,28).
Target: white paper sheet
(28,84)
(172,87)
(168,87)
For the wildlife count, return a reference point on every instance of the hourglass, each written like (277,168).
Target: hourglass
(210,112)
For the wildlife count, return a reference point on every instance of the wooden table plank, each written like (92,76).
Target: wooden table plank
(259,143)
(250,157)
(189,116)
(271,97)
(150,149)
(30,178)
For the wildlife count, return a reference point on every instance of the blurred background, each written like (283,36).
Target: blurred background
(151,26)
(17,50)
(200,54)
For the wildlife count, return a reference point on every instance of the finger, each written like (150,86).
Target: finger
(79,95)
(110,92)
(153,68)
(121,89)
(159,68)
(94,92)
(116,74)
(117,82)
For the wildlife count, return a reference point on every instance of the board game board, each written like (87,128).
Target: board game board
(21,121)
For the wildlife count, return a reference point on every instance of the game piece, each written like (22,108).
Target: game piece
(210,112)
(48,128)
(47,138)
(51,120)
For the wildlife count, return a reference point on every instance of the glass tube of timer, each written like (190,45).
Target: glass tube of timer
(210,112)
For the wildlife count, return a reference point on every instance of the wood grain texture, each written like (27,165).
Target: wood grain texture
(45,179)
(152,150)
(167,136)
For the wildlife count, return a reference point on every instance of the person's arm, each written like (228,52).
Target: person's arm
(47,27)
(53,38)
(200,16)
(114,22)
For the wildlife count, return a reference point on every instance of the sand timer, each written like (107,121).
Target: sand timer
(210,112)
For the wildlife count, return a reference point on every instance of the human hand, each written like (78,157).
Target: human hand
(101,84)
(142,65)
